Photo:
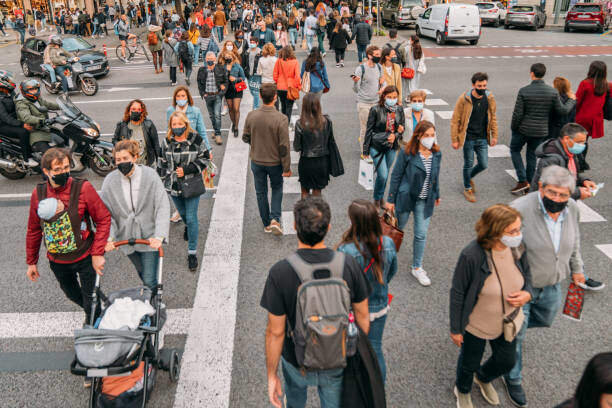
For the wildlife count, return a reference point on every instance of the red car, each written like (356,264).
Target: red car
(588,16)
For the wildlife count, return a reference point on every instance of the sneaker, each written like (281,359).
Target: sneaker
(342,64)
(463,400)
(268,230)
(421,276)
(276,228)
(192,262)
(185,234)
(469,195)
(592,284)
(487,390)
(521,188)
(338,65)
(218,140)
(176,217)
(31,162)
(473,185)
(173,84)
(187,81)
(515,393)
(224,110)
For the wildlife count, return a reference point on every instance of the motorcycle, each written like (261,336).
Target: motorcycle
(77,78)
(69,128)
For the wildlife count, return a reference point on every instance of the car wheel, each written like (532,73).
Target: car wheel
(506,27)
(497,22)
(535,26)
(473,42)
(418,32)
(440,40)
(566,28)
(600,29)
(26,69)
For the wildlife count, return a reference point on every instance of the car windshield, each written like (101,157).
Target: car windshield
(485,6)
(522,9)
(408,3)
(67,106)
(586,8)
(75,44)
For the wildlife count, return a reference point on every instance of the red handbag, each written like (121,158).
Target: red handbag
(240,86)
(407,73)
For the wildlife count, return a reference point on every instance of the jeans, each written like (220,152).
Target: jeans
(59,70)
(213,104)
(187,67)
(421,224)
(339,54)
(219,32)
(516,145)
(95,29)
(320,38)
(375,336)
(328,383)
(501,361)
(173,75)
(286,104)
(21,32)
(383,161)
(260,177)
(361,51)
(146,264)
(66,275)
(196,54)
(309,41)
(481,148)
(539,312)
(76,28)
(188,210)
(51,72)
(255,93)
(293,35)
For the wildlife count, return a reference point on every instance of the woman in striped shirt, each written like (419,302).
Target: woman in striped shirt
(415,188)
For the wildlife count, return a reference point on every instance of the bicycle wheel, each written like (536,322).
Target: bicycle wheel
(128,53)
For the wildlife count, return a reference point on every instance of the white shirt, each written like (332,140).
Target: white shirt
(131,188)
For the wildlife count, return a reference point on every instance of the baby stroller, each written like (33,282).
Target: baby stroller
(103,353)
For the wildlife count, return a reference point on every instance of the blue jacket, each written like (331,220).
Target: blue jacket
(315,83)
(407,181)
(196,120)
(378,299)
(238,73)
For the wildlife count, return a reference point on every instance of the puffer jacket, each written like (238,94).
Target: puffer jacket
(533,107)
(377,123)
(313,144)
(363,33)
(462,114)
(8,115)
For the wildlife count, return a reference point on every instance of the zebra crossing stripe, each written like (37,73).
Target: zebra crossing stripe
(606,249)
(288,223)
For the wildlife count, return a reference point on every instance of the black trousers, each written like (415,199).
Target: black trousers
(79,293)
(339,54)
(173,74)
(286,104)
(501,361)
(22,133)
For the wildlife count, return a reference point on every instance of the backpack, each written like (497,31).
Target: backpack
(152,38)
(363,71)
(183,52)
(400,56)
(321,314)
(116,27)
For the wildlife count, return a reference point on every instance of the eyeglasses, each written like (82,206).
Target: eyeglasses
(554,194)
(515,231)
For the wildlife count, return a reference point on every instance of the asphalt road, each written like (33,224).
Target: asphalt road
(420,356)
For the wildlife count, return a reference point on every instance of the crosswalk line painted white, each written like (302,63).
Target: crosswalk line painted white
(500,150)
(606,249)
(295,157)
(512,174)
(445,114)
(435,102)
(287,223)
(291,185)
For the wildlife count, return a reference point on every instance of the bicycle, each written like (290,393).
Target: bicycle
(132,50)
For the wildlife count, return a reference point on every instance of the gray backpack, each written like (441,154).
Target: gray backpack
(321,314)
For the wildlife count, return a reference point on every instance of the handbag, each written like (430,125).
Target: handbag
(293,93)
(336,167)
(192,187)
(607,108)
(325,87)
(407,73)
(422,68)
(514,321)
(380,141)
(388,223)
(240,86)
(306,82)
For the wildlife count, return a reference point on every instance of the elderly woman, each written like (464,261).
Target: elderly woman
(135,196)
(416,112)
(491,282)
(136,126)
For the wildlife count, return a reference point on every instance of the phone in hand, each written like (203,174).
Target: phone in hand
(353,75)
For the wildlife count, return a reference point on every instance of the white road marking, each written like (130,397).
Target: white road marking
(121,89)
(19,195)
(288,223)
(500,150)
(606,249)
(480,57)
(445,114)
(435,102)
(295,157)
(63,324)
(162,98)
(512,174)
(291,185)
(206,366)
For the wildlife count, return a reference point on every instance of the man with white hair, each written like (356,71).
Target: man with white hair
(212,84)
(552,239)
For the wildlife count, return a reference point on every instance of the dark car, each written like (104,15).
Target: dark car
(589,16)
(525,16)
(94,62)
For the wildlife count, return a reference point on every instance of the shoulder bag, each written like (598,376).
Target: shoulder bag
(388,222)
(514,321)
(336,167)
(325,87)
(607,109)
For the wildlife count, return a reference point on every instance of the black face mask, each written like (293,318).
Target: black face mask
(210,63)
(135,116)
(481,92)
(125,167)
(376,60)
(61,179)
(395,60)
(553,206)
(178,131)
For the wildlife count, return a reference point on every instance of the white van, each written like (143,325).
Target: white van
(450,21)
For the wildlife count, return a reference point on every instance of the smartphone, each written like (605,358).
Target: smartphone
(353,75)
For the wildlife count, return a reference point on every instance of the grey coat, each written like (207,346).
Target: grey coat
(152,216)
(170,57)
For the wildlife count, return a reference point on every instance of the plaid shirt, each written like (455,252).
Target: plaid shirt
(191,155)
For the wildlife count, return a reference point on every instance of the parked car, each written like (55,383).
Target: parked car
(450,21)
(589,16)
(401,12)
(492,12)
(525,16)
(94,62)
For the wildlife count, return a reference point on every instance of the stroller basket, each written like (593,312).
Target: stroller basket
(106,348)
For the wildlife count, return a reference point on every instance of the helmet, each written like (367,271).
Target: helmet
(30,89)
(56,39)
(7,83)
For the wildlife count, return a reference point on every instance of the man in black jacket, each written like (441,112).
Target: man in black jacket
(363,33)
(534,105)
(212,84)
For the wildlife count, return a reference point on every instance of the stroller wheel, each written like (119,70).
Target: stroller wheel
(165,356)
(175,367)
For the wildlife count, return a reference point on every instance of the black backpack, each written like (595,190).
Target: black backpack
(400,56)
(183,53)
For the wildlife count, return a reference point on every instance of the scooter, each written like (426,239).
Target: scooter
(69,128)
(77,78)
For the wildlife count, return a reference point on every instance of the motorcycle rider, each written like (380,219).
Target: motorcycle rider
(9,124)
(59,59)
(33,110)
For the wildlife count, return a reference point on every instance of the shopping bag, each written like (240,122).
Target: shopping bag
(366,174)
(208,175)
(574,302)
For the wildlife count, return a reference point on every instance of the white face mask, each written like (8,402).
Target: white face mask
(511,241)
(428,142)
(229,47)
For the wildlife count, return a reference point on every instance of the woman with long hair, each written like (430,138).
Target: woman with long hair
(194,35)
(384,130)
(235,75)
(280,35)
(135,125)
(590,100)
(293,26)
(557,121)
(415,188)
(595,387)
(392,72)
(286,73)
(321,30)
(318,73)
(416,61)
(339,40)
(239,42)
(377,257)
(313,131)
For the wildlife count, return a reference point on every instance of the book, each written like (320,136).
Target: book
(574,302)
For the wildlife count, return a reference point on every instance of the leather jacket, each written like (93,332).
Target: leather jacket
(8,115)
(313,144)
(123,132)
(377,123)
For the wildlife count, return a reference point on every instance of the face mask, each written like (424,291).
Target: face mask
(390,102)
(135,116)
(553,206)
(125,167)
(577,148)
(481,92)
(279,28)
(181,102)
(210,63)
(395,60)
(376,60)
(239,38)
(428,142)
(229,47)
(417,106)
(510,241)
(252,45)
(61,179)
(178,131)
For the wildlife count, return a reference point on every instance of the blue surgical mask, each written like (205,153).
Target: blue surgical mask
(181,102)
(252,45)
(577,148)
(417,106)
(390,102)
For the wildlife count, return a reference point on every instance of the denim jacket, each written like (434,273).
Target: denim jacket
(378,299)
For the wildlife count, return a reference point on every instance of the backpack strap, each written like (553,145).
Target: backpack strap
(305,270)
(41,191)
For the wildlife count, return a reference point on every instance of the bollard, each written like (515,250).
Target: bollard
(104,48)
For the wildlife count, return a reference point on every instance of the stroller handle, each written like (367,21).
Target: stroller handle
(139,242)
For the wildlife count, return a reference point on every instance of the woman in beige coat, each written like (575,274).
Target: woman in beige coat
(392,72)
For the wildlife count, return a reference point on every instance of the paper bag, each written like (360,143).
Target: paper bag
(366,174)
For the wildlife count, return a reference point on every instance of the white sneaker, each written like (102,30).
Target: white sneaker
(224,110)
(176,217)
(421,276)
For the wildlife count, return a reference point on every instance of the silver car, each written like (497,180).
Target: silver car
(401,12)
(525,16)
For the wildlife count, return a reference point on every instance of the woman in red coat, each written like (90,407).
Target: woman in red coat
(590,99)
